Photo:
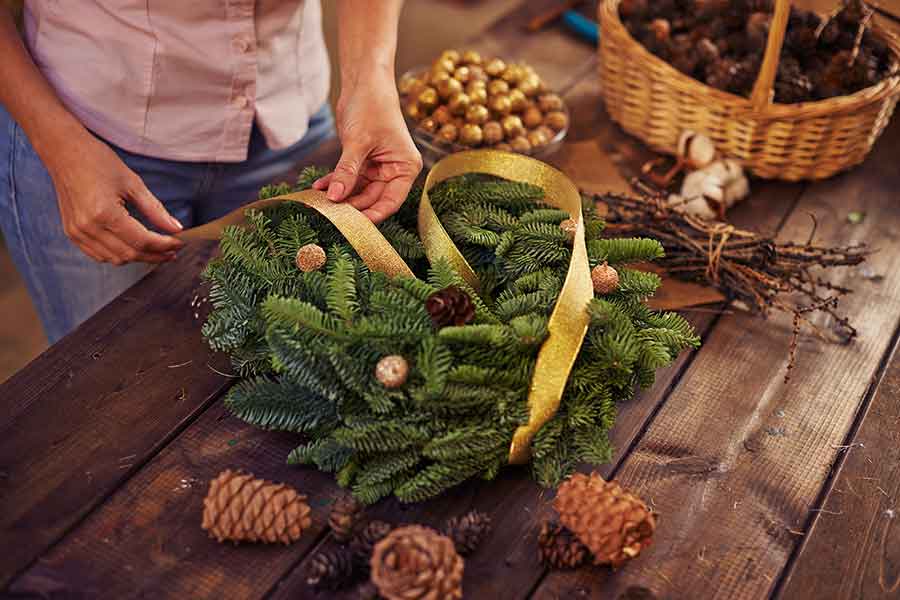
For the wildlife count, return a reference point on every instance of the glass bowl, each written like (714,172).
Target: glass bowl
(433,148)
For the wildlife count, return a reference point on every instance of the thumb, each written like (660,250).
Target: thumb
(152,208)
(346,173)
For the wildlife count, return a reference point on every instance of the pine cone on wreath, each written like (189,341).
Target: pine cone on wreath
(468,531)
(241,508)
(363,543)
(450,306)
(330,569)
(613,523)
(415,562)
(344,517)
(559,548)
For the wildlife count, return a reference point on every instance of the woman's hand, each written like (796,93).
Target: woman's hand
(379,162)
(93,186)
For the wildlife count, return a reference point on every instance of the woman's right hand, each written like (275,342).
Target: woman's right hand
(93,187)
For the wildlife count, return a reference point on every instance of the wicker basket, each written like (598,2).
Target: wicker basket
(655,102)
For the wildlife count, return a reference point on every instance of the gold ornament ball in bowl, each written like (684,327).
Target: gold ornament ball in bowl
(466,100)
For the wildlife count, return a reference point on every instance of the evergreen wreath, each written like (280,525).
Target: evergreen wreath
(307,343)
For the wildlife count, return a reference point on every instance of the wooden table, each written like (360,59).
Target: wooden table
(108,440)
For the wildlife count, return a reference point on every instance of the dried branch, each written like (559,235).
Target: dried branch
(748,267)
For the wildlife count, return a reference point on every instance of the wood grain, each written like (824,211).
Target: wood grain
(87,413)
(735,459)
(146,541)
(852,550)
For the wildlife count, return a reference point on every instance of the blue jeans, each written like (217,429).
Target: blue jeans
(65,285)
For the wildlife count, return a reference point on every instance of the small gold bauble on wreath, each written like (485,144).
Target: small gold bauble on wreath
(655,101)
(504,105)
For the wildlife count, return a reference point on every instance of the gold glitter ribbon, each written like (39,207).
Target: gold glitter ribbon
(569,322)
(360,232)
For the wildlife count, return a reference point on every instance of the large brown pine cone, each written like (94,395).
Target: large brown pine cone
(416,562)
(450,306)
(559,548)
(345,514)
(613,523)
(468,531)
(241,508)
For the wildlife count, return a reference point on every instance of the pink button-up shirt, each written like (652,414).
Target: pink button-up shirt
(184,79)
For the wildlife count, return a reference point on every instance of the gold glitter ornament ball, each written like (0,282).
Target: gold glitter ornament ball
(471,57)
(532,117)
(448,133)
(556,120)
(495,67)
(451,55)
(392,371)
(605,279)
(520,144)
(462,74)
(471,134)
(428,99)
(500,105)
(569,226)
(429,125)
(550,102)
(503,146)
(497,87)
(477,114)
(517,100)
(512,126)
(459,103)
(310,257)
(493,132)
(448,87)
(441,115)
(478,96)
(537,138)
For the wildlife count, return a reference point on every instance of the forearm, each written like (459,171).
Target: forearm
(25,93)
(367,39)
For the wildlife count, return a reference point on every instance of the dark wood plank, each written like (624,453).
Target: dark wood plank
(86,414)
(735,459)
(852,550)
(146,540)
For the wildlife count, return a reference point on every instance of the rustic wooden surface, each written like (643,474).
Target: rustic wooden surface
(110,438)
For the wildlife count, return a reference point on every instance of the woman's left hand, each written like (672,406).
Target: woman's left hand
(379,162)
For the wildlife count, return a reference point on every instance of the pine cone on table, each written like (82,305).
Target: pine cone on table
(468,531)
(559,548)
(344,517)
(241,508)
(363,543)
(613,523)
(416,562)
(450,306)
(330,569)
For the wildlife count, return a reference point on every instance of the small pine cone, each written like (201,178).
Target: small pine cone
(605,279)
(368,591)
(416,562)
(614,524)
(344,517)
(559,548)
(450,306)
(241,508)
(330,569)
(468,531)
(310,257)
(365,539)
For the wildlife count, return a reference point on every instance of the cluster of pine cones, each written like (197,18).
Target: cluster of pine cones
(405,562)
(722,42)
(599,522)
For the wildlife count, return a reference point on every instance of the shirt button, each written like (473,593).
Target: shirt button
(240,102)
(242,44)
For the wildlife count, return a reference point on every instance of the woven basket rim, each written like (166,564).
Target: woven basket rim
(885,88)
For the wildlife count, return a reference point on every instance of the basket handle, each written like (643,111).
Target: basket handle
(762,89)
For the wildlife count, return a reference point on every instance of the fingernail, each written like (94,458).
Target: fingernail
(335,191)
(176,223)
(317,184)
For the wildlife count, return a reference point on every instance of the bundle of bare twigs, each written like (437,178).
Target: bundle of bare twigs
(748,267)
